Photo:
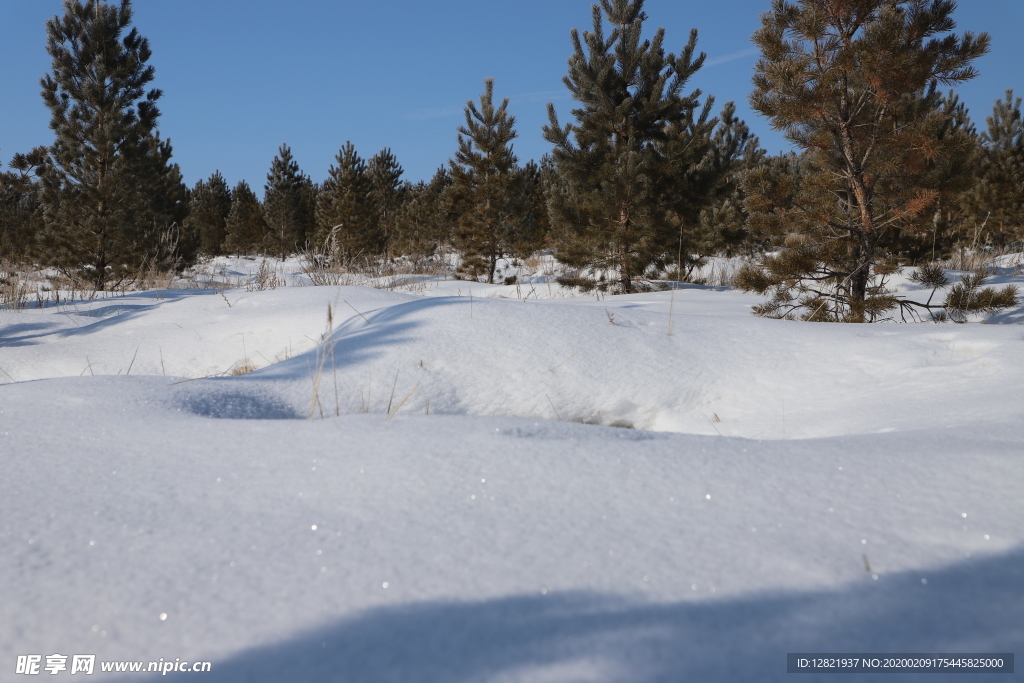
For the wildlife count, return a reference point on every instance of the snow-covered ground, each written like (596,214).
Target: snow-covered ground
(503,483)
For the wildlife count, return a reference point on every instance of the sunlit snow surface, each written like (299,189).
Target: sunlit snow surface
(785,487)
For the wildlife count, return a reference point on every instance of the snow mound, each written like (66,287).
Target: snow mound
(616,364)
(692,361)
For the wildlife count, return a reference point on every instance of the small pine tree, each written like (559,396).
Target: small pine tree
(346,225)
(487,190)
(109,192)
(966,297)
(287,204)
(245,226)
(852,83)
(21,216)
(168,205)
(721,227)
(424,220)
(386,193)
(937,233)
(534,226)
(998,197)
(209,206)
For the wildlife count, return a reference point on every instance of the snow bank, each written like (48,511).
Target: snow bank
(614,363)
(611,362)
(176,333)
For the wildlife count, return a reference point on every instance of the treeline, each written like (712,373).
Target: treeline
(642,183)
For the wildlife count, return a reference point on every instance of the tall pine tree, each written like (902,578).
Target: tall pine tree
(852,83)
(637,165)
(110,193)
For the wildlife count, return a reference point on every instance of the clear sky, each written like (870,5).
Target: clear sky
(241,77)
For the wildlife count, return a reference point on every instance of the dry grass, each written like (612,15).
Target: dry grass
(321,360)
(408,273)
(241,368)
(148,278)
(14,292)
(264,279)
(981,260)
(714,272)
(543,263)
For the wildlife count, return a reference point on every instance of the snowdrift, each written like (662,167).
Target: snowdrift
(662,362)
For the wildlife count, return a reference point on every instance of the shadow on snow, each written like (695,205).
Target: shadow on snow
(975,606)
(357,340)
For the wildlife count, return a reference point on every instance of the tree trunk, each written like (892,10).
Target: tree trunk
(859,278)
(493,263)
(625,276)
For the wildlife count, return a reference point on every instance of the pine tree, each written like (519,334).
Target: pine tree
(209,206)
(487,186)
(21,215)
(999,195)
(386,193)
(534,226)
(167,200)
(852,83)
(638,164)
(245,226)
(346,225)
(110,194)
(936,233)
(425,222)
(287,204)
(784,171)
(722,224)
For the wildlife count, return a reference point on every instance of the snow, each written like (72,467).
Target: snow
(785,487)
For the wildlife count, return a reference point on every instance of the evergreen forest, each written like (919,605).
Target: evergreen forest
(646,178)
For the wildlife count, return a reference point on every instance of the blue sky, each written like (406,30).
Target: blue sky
(241,77)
